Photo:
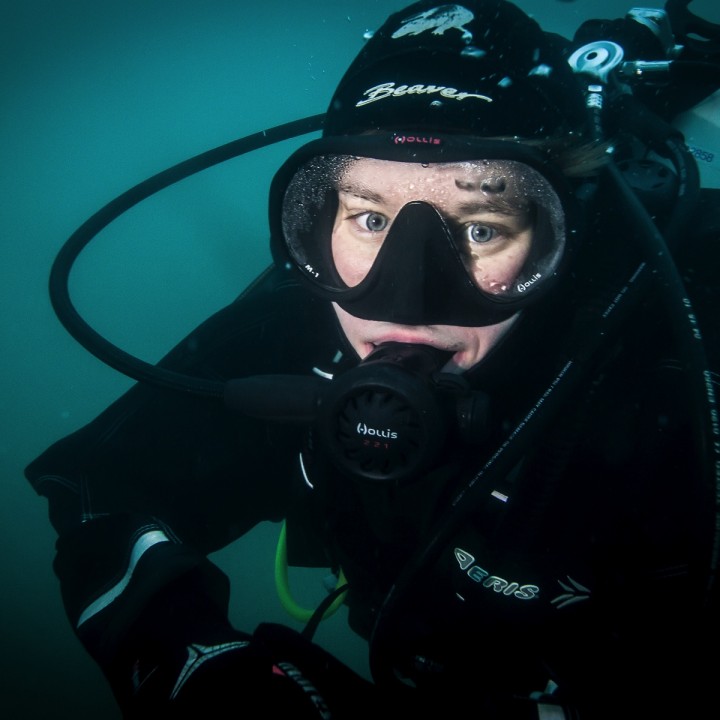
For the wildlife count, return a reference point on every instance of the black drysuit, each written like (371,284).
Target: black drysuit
(583,564)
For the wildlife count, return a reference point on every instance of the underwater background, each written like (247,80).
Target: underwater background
(96,96)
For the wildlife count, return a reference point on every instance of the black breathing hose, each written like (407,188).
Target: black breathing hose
(694,72)
(696,369)
(60,272)
(684,325)
(678,306)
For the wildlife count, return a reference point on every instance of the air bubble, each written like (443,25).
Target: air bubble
(472,51)
(543,70)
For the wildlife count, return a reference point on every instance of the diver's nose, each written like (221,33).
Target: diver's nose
(411,277)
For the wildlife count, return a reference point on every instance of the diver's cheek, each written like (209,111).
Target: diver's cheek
(352,260)
(356,331)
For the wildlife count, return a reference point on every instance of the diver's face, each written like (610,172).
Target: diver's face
(491,220)
(493,224)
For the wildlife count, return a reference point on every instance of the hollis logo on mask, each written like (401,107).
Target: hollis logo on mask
(522,287)
(363,429)
(498,584)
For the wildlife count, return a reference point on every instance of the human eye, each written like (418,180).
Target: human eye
(479,233)
(370,221)
(492,234)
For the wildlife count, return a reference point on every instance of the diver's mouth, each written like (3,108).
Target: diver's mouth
(410,336)
(453,365)
(370,346)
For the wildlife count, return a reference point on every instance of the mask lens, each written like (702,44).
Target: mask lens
(510,231)
(501,219)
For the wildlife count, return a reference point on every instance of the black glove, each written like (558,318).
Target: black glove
(183,657)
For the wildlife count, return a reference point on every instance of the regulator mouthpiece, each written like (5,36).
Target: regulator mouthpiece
(387,419)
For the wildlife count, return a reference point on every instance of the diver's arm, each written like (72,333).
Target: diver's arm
(138,498)
(144,492)
(160,631)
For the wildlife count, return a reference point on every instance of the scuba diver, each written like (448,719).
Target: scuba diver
(478,383)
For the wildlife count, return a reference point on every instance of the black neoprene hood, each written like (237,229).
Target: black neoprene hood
(437,83)
(481,68)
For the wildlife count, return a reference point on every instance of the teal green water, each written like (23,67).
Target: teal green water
(95,96)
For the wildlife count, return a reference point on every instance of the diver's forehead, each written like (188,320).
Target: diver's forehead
(378,171)
(384,181)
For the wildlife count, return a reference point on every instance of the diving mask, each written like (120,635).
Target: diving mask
(422,229)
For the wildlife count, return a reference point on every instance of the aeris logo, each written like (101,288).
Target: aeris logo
(363,429)
(466,561)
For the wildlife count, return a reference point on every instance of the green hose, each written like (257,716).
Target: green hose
(282,585)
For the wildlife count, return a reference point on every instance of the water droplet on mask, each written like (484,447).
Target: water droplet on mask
(493,185)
